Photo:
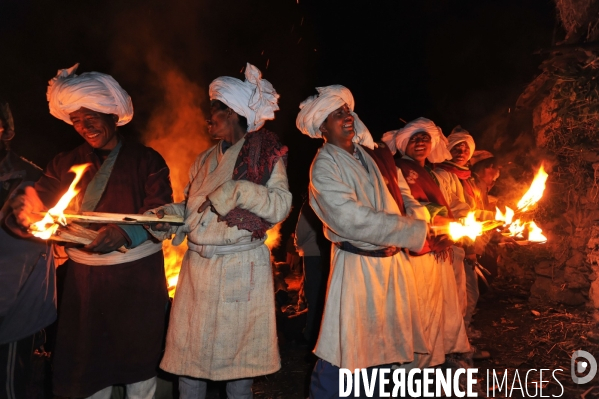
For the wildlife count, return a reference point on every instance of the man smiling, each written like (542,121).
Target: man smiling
(112,311)
(371,316)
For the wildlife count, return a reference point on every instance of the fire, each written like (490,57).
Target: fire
(517,228)
(535,233)
(273,236)
(535,192)
(467,227)
(505,217)
(49,224)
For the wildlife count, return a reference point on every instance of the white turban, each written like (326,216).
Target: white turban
(68,92)
(459,135)
(315,109)
(255,98)
(398,139)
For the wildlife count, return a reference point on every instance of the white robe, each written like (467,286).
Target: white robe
(371,313)
(439,299)
(222,323)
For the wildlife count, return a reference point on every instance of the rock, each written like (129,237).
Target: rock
(544,268)
(544,289)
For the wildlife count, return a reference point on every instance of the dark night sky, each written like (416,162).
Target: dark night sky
(456,62)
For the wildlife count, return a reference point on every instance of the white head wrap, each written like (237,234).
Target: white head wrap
(459,135)
(398,139)
(255,98)
(315,109)
(68,92)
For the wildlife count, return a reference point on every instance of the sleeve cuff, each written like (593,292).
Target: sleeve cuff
(136,234)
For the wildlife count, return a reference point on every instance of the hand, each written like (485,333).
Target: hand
(205,206)
(159,226)
(110,238)
(24,205)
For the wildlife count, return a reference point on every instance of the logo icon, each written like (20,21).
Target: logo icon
(580,366)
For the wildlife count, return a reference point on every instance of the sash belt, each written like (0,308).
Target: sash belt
(208,251)
(377,253)
(147,248)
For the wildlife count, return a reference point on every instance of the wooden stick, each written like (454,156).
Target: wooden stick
(121,218)
(77,234)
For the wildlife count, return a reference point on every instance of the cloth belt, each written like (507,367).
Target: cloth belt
(114,258)
(208,251)
(377,253)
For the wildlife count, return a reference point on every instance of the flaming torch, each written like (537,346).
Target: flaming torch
(48,226)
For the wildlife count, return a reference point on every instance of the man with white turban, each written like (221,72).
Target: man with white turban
(112,312)
(422,143)
(222,324)
(371,316)
(461,146)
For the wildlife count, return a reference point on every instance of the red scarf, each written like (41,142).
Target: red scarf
(463,174)
(424,188)
(255,162)
(384,160)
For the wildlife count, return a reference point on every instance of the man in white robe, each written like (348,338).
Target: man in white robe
(222,324)
(371,315)
(442,298)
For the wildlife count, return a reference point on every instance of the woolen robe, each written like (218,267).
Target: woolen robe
(111,318)
(438,294)
(371,314)
(222,324)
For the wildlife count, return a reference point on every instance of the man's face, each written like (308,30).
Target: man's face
(460,153)
(221,122)
(338,128)
(489,175)
(98,129)
(419,146)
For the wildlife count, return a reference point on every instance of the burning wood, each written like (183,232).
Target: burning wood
(77,234)
(46,227)
(121,218)
(517,228)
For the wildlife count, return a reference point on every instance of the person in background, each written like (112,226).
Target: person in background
(315,249)
(27,281)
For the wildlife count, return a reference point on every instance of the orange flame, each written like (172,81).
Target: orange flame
(535,192)
(535,233)
(48,225)
(466,227)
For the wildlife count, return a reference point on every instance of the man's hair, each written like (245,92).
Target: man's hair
(482,165)
(243,122)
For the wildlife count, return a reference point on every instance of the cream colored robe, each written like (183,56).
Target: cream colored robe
(371,312)
(441,303)
(222,323)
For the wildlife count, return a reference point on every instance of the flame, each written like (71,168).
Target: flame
(48,225)
(504,217)
(467,227)
(273,236)
(535,233)
(535,192)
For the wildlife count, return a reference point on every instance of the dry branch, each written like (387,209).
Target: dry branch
(76,234)
(120,218)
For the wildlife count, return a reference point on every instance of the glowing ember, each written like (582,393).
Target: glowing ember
(535,233)
(535,192)
(467,227)
(49,224)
